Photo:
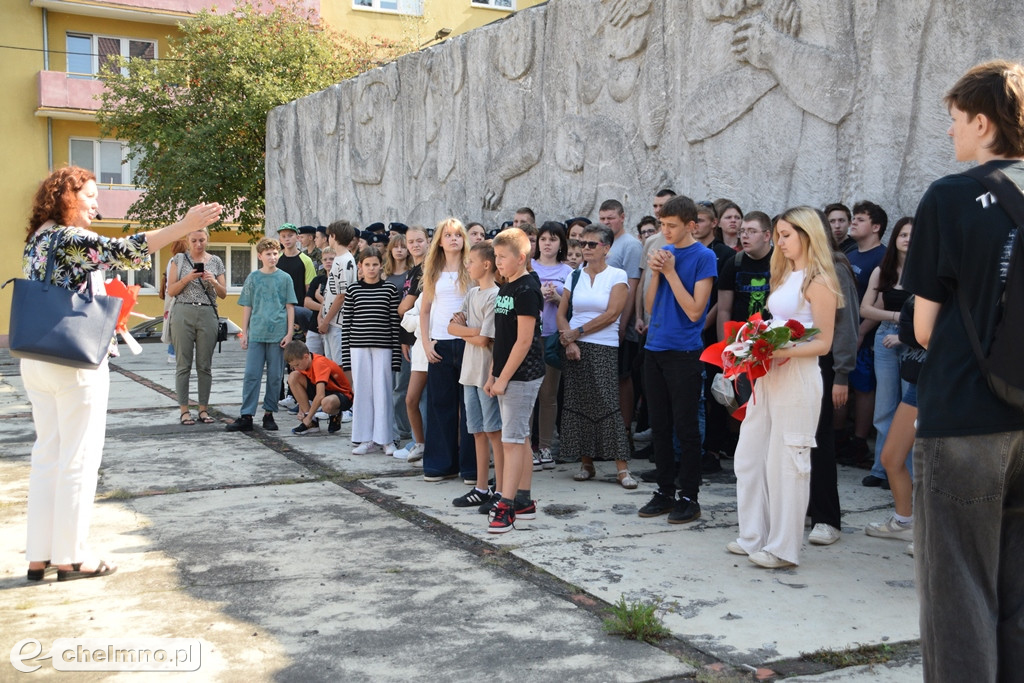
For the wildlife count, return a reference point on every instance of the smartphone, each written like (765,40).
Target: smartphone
(199,267)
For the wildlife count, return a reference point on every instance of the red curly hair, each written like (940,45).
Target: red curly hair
(56,199)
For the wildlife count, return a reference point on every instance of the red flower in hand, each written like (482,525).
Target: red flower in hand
(762,349)
(796,329)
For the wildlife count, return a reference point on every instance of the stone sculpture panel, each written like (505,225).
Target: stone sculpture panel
(560,106)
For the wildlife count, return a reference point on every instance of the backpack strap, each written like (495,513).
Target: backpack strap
(1010,198)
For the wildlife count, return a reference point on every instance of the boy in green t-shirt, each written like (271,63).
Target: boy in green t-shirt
(268,302)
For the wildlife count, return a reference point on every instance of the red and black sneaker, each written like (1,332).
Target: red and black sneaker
(526,510)
(503,520)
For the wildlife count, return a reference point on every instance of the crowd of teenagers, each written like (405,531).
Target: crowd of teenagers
(594,332)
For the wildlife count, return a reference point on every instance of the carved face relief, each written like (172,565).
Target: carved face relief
(513,53)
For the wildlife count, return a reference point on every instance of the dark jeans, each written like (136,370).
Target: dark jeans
(823,506)
(969,556)
(673,387)
(449,448)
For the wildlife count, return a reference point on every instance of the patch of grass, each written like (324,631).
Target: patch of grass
(393,570)
(859,656)
(23,606)
(635,621)
(118,494)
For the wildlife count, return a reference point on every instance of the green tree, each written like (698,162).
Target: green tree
(195,119)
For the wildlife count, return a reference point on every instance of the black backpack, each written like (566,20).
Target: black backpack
(1003,368)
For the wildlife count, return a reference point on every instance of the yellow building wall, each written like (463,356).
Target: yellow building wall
(458,15)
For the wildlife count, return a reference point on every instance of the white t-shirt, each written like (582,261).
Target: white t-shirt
(590,300)
(343,273)
(447,301)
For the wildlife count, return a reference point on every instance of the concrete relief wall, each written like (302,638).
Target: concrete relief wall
(558,107)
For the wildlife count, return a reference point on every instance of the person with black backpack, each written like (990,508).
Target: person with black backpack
(969,455)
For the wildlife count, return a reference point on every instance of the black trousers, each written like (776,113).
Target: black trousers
(823,506)
(673,389)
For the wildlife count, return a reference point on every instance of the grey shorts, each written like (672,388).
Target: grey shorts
(516,407)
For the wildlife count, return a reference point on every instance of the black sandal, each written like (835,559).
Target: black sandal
(186,419)
(103,569)
(205,418)
(40,574)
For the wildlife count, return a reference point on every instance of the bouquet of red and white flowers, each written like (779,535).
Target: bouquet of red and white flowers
(749,346)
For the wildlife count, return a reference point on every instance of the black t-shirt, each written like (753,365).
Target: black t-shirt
(412,286)
(749,284)
(519,297)
(959,244)
(296,269)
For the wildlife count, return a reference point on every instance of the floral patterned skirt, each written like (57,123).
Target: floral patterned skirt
(591,419)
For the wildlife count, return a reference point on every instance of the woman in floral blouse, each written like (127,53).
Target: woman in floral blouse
(69,405)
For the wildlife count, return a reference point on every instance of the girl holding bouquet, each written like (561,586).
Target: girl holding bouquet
(773,483)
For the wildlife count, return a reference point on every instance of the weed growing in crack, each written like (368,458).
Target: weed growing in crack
(635,621)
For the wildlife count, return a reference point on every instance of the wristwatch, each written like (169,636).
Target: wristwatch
(580,330)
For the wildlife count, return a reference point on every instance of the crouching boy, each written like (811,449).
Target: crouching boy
(318,377)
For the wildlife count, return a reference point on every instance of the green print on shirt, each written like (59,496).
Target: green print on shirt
(503,305)
(758,297)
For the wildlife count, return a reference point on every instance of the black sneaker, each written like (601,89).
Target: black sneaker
(488,504)
(649,476)
(872,481)
(268,422)
(685,511)
(659,504)
(242,424)
(334,423)
(472,499)
(304,429)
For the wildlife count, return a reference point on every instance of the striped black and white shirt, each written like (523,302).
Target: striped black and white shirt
(369,319)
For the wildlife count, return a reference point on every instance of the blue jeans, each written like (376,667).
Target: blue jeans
(969,556)
(449,448)
(260,354)
(889,389)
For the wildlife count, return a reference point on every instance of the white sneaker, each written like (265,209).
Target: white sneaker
(366,447)
(823,534)
(910,550)
(735,548)
(890,528)
(643,437)
(346,416)
(546,461)
(288,402)
(321,415)
(763,558)
(415,453)
(389,448)
(537,467)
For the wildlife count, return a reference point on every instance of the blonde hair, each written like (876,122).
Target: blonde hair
(514,239)
(820,264)
(434,262)
(397,240)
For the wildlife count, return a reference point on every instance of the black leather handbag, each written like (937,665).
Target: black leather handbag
(56,325)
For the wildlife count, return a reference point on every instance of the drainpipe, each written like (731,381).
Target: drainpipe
(46,67)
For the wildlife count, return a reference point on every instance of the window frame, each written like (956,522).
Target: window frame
(374,6)
(232,251)
(489,4)
(127,166)
(128,277)
(94,51)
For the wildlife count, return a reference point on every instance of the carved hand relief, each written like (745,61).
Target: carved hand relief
(374,123)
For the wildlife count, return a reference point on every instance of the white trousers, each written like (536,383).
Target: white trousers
(314,342)
(332,343)
(69,409)
(372,383)
(773,459)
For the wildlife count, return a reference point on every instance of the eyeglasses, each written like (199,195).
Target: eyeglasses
(647,231)
(591,245)
(749,231)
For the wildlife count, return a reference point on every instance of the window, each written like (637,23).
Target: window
(495,4)
(108,159)
(239,260)
(144,278)
(414,7)
(88,54)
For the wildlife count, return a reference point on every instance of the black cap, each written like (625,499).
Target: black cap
(375,227)
(400,228)
(366,235)
(578,219)
(321,229)
(491,234)
(379,238)
(307,230)
(506,224)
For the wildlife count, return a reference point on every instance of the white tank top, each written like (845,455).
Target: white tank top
(447,302)
(787,302)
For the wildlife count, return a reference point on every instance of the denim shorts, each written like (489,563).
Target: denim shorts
(482,412)
(517,409)
(862,378)
(910,395)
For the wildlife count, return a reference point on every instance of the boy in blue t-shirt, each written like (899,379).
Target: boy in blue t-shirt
(684,273)
(268,302)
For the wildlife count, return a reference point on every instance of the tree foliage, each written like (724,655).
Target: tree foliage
(195,119)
